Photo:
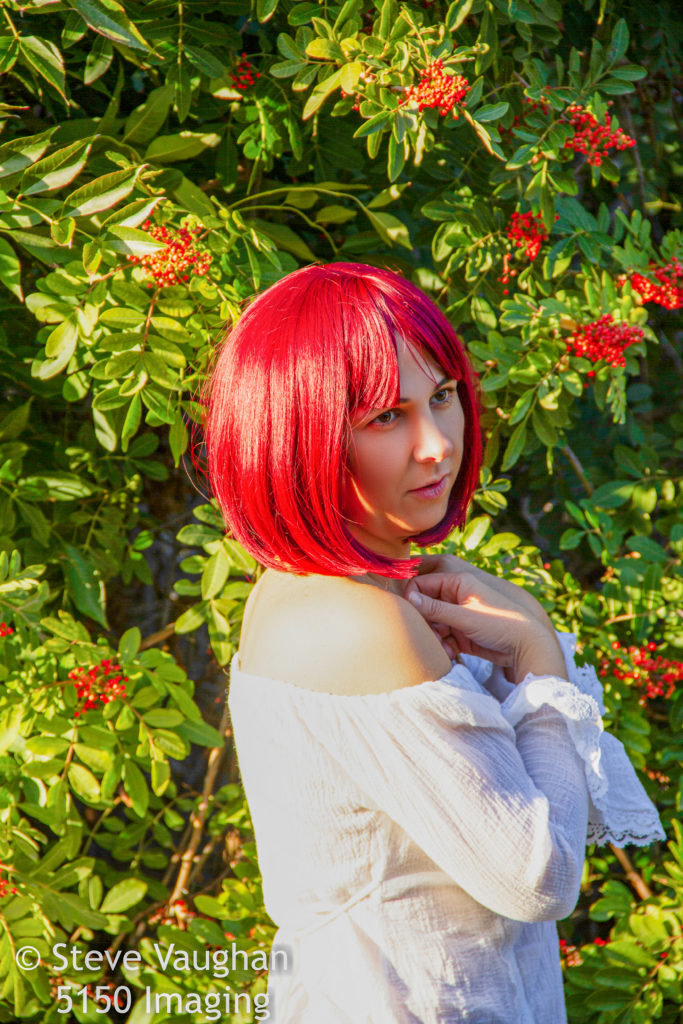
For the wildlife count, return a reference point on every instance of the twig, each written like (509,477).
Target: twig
(156,638)
(625,114)
(636,881)
(198,819)
(578,469)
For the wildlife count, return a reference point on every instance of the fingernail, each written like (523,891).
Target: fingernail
(415,598)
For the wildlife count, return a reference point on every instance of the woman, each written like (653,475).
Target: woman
(420,821)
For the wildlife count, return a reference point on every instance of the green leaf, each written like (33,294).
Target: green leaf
(265,9)
(349,75)
(97,760)
(648,548)
(22,152)
(129,644)
(390,229)
(374,124)
(57,169)
(320,93)
(135,785)
(123,896)
(205,61)
(100,194)
(210,906)
(83,783)
(132,241)
(178,438)
(483,313)
(9,51)
(109,19)
(324,49)
(491,112)
(84,584)
(165,718)
(98,61)
(182,146)
(147,119)
(619,41)
(59,348)
(10,269)
(285,238)
(45,59)
(200,733)
(613,494)
(515,446)
(456,14)
(47,746)
(171,743)
(161,776)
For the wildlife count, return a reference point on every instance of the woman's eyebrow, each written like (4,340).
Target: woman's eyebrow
(445,380)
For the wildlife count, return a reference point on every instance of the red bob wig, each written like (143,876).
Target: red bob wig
(308,355)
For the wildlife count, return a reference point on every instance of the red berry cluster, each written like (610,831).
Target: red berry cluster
(603,339)
(103,682)
(5,630)
(5,887)
(593,139)
(244,75)
(520,120)
(569,955)
(655,676)
(173,264)
(438,90)
(666,290)
(527,229)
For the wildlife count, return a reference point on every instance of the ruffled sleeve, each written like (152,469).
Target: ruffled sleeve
(443,762)
(620,811)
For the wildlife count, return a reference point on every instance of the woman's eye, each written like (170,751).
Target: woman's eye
(442,396)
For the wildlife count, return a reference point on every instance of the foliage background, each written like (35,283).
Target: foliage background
(279,134)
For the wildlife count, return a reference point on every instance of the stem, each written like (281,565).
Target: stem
(578,469)
(11,24)
(198,819)
(635,880)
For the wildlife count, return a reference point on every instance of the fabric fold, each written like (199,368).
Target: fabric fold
(620,811)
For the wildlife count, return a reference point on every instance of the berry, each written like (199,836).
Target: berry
(438,90)
(654,676)
(603,339)
(101,683)
(5,630)
(527,229)
(593,139)
(666,289)
(171,264)
(244,75)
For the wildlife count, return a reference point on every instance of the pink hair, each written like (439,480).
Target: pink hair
(308,355)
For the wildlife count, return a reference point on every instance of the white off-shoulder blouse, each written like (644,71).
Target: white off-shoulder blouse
(417,846)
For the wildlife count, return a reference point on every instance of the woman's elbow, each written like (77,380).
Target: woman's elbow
(557,890)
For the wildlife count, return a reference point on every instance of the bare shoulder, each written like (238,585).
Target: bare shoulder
(337,635)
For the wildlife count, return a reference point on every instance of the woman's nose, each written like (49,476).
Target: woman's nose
(431,443)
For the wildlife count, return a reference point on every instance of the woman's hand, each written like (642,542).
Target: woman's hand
(445,563)
(482,620)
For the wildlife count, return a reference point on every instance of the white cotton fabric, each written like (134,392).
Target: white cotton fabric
(417,846)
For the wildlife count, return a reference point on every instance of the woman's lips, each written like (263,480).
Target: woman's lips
(434,490)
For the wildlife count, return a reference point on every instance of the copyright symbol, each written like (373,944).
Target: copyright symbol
(27,958)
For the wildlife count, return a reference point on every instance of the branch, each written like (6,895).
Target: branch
(198,819)
(578,469)
(636,881)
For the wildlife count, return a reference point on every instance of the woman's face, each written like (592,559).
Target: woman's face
(395,450)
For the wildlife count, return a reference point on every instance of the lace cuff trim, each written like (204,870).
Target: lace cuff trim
(620,810)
